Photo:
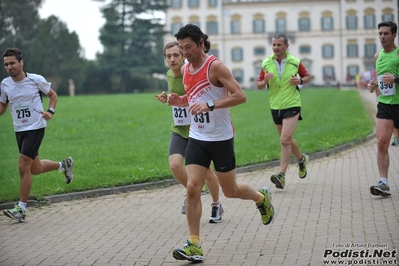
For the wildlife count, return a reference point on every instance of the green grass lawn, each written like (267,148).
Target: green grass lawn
(118,140)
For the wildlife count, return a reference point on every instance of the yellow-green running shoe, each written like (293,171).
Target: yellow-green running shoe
(189,252)
(380,189)
(17,214)
(302,171)
(278,180)
(266,208)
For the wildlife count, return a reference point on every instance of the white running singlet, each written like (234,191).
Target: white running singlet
(214,125)
(25,98)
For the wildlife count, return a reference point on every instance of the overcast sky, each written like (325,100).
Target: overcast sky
(82,16)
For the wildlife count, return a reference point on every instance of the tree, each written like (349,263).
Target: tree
(18,22)
(48,48)
(58,55)
(132,39)
(97,79)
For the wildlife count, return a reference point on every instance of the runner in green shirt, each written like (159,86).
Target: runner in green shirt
(283,73)
(387,67)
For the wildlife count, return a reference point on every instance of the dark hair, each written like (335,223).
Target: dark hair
(170,45)
(13,52)
(194,33)
(207,44)
(280,35)
(391,24)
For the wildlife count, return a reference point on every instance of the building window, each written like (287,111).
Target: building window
(328,51)
(238,74)
(304,49)
(236,54)
(369,22)
(304,24)
(328,73)
(212,2)
(175,4)
(352,71)
(176,27)
(235,27)
(327,23)
(370,50)
(258,26)
(351,50)
(214,52)
(281,25)
(196,23)
(388,17)
(351,22)
(259,51)
(212,27)
(193,3)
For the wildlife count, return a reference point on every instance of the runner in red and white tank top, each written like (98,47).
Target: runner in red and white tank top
(214,125)
(210,91)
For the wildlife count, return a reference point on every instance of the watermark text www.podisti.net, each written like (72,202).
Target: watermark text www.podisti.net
(360,254)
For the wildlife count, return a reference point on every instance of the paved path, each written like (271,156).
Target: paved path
(328,210)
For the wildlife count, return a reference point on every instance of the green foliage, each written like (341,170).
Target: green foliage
(17,19)
(48,48)
(98,80)
(132,39)
(132,43)
(18,22)
(123,139)
(59,55)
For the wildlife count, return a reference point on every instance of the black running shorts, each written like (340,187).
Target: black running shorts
(279,115)
(388,111)
(29,142)
(221,153)
(177,144)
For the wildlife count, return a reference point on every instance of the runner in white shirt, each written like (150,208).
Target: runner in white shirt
(23,92)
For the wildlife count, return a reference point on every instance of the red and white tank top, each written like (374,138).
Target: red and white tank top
(214,125)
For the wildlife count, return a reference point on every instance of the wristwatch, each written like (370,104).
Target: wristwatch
(302,81)
(51,110)
(396,79)
(211,105)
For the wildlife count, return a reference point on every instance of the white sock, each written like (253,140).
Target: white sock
(61,169)
(215,204)
(385,180)
(22,205)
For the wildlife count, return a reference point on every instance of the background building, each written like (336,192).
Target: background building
(335,39)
